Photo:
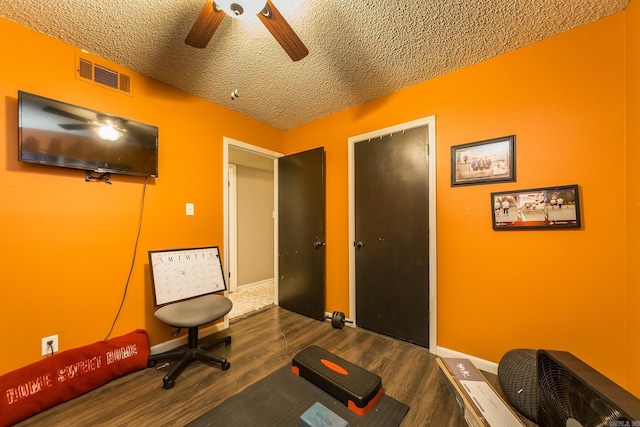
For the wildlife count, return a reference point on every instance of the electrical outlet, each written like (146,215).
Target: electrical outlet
(46,350)
(190,209)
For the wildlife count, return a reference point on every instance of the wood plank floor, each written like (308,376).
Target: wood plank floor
(261,344)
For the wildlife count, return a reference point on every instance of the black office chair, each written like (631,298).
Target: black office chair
(184,283)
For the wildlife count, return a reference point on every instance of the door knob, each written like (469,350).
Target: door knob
(317,244)
(358,244)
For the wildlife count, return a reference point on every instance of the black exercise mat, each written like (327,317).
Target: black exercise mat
(282,397)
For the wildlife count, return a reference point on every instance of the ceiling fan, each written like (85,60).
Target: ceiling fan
(213,12)
(108,128)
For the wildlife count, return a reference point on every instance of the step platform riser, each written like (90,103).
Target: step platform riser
(359,389)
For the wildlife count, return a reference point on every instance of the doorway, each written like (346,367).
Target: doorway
(250,226)
(381,318)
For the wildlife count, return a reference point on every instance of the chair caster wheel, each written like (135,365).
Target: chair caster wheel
(168,383)
(151,363)
(225,365)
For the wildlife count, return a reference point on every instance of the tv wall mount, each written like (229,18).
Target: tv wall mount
(98,176)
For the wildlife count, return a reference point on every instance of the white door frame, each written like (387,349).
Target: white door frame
(229,142)
(430,123)
(232,227)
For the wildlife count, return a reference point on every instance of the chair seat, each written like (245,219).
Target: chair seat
(194,312)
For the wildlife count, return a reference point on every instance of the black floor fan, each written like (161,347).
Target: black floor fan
(573,394)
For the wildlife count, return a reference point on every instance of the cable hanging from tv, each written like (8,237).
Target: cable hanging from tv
(98,176)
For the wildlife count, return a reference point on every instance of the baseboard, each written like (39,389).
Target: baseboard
(483,365)
(175,343)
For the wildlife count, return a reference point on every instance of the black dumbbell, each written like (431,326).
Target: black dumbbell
(338,319)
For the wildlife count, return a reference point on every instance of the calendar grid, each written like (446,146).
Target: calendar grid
(180,274)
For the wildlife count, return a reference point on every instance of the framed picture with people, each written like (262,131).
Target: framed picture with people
(546,207)
(484,162)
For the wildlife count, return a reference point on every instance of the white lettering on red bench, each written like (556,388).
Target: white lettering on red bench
(29,388)
(68,372)
(79,368)
(121,353)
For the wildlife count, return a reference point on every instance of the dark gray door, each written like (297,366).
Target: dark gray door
(392,235)
(301,233)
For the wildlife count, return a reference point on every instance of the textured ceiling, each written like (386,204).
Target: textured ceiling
(358,49)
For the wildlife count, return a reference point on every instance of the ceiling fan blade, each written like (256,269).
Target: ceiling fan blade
(205,25)
(63,113)
(70,126)
(282,31)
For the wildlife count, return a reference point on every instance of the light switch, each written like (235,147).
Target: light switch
(190,209)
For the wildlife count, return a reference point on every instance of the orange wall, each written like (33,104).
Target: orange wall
(633,191)
(562,289)
(66,244)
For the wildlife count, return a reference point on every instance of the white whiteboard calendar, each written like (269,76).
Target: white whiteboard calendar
(179,274)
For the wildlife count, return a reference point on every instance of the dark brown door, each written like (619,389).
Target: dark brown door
(301,233)
(392,235)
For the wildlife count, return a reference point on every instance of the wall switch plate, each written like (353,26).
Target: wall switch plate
(46,350)
(190,209)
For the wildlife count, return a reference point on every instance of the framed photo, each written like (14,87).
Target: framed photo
(549,207)
(484,162)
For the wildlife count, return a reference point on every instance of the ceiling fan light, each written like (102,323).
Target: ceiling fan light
(109,133)
(241,9)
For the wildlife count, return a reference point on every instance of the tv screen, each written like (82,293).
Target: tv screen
(59,134)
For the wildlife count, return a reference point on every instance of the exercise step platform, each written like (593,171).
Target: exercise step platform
(352,385)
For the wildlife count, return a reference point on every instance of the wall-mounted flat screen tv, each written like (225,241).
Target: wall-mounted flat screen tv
(59,134)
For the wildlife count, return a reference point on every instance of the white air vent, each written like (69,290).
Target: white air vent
(86,69)
(103,76)
(125,83)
